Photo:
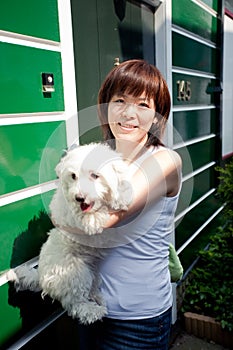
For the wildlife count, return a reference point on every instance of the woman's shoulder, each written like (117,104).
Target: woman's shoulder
(170,163)
(167,155)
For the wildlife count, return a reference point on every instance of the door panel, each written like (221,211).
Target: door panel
(102,32)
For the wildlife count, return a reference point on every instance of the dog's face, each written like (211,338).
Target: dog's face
(90,177)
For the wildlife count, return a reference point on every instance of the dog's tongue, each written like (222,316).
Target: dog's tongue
(85,207)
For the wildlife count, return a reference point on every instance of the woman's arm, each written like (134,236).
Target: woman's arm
(159,175)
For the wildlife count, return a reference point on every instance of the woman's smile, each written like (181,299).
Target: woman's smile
(126,126)
(131,117)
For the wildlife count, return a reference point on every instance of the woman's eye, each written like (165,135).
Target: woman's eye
(119,100)
(144,105)
(73,175)
(94,176)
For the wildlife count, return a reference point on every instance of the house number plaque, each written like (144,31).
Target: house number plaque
(183,90)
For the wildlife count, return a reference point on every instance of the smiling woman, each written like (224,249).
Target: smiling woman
(134,105)
(136,85)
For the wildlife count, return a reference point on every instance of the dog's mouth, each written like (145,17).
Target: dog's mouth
(85,207)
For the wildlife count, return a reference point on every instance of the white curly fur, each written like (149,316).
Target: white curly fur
(92,180)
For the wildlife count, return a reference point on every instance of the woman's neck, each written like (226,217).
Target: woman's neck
(130,150)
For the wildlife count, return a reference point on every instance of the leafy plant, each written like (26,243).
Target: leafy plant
(210,290)
(225,189)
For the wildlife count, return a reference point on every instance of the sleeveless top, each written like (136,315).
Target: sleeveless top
(135,273)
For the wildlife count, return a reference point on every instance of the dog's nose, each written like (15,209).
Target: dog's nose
(79,199)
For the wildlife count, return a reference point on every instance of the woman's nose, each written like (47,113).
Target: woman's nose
(130,110)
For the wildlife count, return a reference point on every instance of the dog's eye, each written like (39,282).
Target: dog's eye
(94,176)
(73,175)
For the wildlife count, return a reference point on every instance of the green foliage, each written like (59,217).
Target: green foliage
(210,290)
(225,189)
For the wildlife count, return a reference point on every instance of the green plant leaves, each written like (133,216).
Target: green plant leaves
(210,288)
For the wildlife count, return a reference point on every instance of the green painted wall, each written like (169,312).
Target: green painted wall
(29,151)
(22,154)
(9,317)
(196,50)
(21,81)
(33,18)
(186,255)
(201,184)
(15,220)
(214,4)
(188,15)
(200,153)
(197,217)
(189,54)
(193,124)
(201,90)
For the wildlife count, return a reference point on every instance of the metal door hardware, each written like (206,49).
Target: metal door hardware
(47,82)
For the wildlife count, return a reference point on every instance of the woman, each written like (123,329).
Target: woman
(134,105)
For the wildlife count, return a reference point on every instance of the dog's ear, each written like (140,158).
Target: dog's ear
(124,190)
(120,192)
(111,178)
(60,166)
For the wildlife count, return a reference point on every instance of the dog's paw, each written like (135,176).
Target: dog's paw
(26,278)
(93,224)
(91,312)
(11,276)
(98,298)
(87,312)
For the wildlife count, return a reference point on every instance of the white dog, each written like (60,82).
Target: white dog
(92,181)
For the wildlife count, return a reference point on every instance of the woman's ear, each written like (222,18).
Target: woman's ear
(154,123)
(157,117)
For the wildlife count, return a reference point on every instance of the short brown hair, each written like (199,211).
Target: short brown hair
(134,77)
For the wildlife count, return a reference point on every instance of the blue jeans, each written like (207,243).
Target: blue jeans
(111,334)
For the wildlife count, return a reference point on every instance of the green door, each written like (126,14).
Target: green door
(103,31)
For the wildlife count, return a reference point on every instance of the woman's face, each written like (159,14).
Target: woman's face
(130,118)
